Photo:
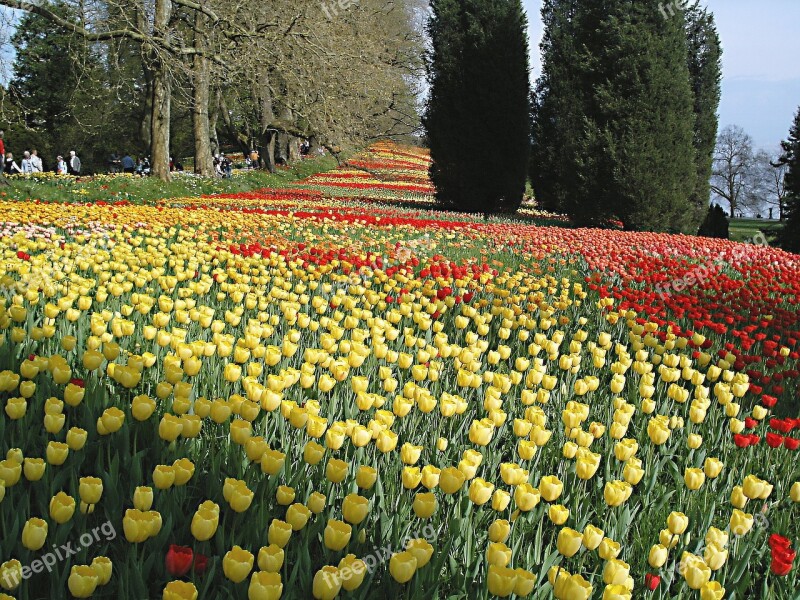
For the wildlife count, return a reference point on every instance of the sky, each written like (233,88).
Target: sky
(761,70)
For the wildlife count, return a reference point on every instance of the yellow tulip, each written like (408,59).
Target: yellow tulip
(62,507)
(179,590)
(569,542)
(352,571)
(337,534)
(279,533)
(327,583)
(355,508)
(82,581)
(558,514)
(712,590)
(270,558)
(402,566)
(34,534)
(265,586)
(501,580)
(237,564)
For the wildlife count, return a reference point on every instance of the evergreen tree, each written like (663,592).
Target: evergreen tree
(716,224)
(477,118)
(45,77)
(615,98)
(705,71)
(558,110)
(789,236)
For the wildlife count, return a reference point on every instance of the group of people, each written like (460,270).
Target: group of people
(32,163)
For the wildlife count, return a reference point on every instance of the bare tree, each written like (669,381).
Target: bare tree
(733,177)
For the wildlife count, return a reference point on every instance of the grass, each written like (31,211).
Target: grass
(745,230)
(149,189)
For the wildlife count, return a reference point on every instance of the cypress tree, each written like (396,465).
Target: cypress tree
(716,224)
(477,118)
(629,129)
(557,110)
(705,71)
(789,236)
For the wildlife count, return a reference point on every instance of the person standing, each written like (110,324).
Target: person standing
(11,167)
(61,165)
(27,165)
(74,165)
(128,166)
(2,144)
(36,161)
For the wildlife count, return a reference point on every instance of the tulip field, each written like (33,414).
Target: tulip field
(334,391)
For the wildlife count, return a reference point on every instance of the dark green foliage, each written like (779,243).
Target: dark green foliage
(789,236)
(477,118)
(613,122)
(705,71)
(716,224)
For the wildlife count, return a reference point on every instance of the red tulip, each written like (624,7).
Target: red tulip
(179,560)
(651,581)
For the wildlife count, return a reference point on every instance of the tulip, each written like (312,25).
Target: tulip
(740,522)
(179,590)
(62,507)
(316,502)
(615,572)
(352,571)
(270,558)
(179,560)
(694,478)
(715,556)
(237,564)
(10,574)
(265,586)
(550,487)
(569,542)
(501,580)
(34,468)
(497,553)
(163,477)
(279,533)
(76,439)
(794,492)
(82,581)
(297,515)
(526,497)
(143,498)
(366,477)
(695,571)
(56,454)
(337,534)
(90,489)
(451,480)
(336,470)
(480,491)
(712,590)
(592,536)
(424,505)
(183,469)
(313,452)
(103,568)
(608,549)
(677,523)
(34,534)
(402,566)
(327,583)
(355,508)
(204,524)
(558,514)
(272,462)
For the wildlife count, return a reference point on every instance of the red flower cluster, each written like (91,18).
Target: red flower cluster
(181,559)
(782,555)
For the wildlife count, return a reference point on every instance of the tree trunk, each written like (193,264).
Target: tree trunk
(294,149)
(213,118)
(203,161)
(267,150)
(162,98)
